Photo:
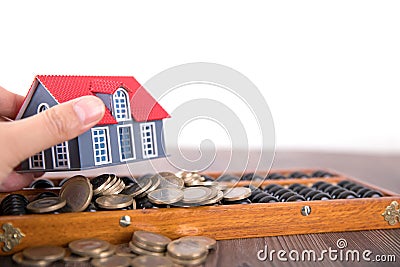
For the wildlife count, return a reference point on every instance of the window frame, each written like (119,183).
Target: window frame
(108,145)
(55,157)
(153,137)
(128,107)
(132,139)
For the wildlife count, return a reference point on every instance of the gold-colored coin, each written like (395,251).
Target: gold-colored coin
(165,195)
(47,253)
(113,261)
(88,246)
(184,262)
(186,249)
(155,182)
(47,204)
(113,188)
(19,258)
(72,258)
(114,201)
(237,193)
(170,180)
(208,242)
(196,194)
(151,239)
(77,191)
(148,260)
(100,182)
(113,179)
(139,251)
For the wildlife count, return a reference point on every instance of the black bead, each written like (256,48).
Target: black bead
(311,194)
(362,191)
(343,183)
(42,183)
(331,188)
(298,175)
(259,196)
(46,194)
(347,195)
(270,187)
(356,187)
(321,196)
(295,198)
(372,193)
(318,184)
(275,176)
(336,192)
(279,193)
(321,174)
(268,199)
(287,195)
(294,186)
(305,191)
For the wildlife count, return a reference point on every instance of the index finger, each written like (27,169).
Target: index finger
(10,103)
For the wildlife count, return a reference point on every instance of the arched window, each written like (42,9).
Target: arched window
(121,105)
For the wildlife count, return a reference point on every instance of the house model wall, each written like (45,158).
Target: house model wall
(131,129)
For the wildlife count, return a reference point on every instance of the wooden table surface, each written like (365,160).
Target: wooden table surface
(381,170)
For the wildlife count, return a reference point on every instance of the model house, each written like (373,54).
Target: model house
(131,129)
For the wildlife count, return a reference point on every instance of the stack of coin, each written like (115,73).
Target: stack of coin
(148,243)
(107,184)
(77,192)
(112,202)
(187,252)
(39,256)
(45,205)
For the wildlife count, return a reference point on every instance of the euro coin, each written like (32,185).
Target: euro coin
(186,249)
(151,239)
(77,192)
(47,204)
(19,258)
(236,193)
(114,201)
(113,261)
(196,194)
(99,182)
(149,260)
(170,180)
(165,195)
(47,253)
(139,251)
(88,246)
(208,242)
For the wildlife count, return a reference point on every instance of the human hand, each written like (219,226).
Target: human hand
(23,138)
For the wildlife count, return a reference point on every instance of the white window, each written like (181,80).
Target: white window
(149,140)
(101,145)
(126,142)
(121,105)
(36,162)
(61,156)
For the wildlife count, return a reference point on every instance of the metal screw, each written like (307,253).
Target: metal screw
(125,221)
(305,210)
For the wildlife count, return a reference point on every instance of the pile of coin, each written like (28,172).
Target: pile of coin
(145,249)
(39,256)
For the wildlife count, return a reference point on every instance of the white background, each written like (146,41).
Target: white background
(330,71)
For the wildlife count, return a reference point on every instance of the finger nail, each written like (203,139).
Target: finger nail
(89,109)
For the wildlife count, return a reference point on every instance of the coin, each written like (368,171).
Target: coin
(113,261)
(186,249)
(208,242)
(139,251)
(114,201)
(149,260)
(151,239)
(138,188)
(170,180)
(71,257)
(114,187)
(205,183)
(77,192)
(124,250)
(88,246)
(155,182)
(99,182)
(110,183)
(147,247)
(217,198)
(19,258)
(184,262)
(236,193)
(106,253)
(47,253)
(165,195)
(196,194)
(47,204)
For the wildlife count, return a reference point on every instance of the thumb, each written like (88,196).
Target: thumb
(66,121)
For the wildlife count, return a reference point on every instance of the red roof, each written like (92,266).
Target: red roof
(143,106)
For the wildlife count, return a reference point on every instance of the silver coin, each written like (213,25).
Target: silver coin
(196,194)
(217,198)
(186,249)
(170,180)
(237,193)
(113,261)
(141,185)
(165,195)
